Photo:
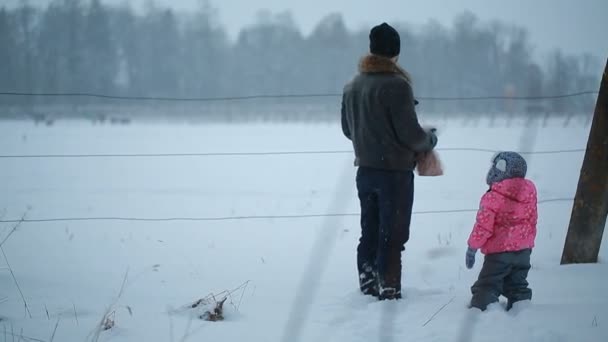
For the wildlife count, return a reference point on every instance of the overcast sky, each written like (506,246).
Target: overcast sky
(576,26)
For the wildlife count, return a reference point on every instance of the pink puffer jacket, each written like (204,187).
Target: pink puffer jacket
(506,220)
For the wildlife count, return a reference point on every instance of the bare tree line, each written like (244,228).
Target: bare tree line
(87,46)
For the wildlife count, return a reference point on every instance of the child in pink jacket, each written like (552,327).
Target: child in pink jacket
(504,230)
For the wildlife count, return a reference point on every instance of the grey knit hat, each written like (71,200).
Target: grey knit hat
(506,165)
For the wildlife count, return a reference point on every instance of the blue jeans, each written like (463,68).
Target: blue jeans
(386,199)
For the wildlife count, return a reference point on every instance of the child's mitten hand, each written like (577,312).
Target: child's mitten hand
(470,257)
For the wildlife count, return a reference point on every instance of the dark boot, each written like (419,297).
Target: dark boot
(389,294)
(368,281)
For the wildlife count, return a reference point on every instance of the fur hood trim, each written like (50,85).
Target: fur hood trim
(379,64)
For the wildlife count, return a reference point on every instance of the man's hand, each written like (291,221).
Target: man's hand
(433,137)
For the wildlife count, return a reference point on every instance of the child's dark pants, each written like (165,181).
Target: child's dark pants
(502,274)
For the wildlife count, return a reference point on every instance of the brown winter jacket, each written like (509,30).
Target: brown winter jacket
(379,117)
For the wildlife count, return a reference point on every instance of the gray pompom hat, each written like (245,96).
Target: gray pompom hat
(506,165)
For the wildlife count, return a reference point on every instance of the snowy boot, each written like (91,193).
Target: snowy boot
(368,281)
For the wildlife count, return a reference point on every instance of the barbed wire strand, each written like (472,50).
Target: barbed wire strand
(245,154)
(239,218)
(283,96)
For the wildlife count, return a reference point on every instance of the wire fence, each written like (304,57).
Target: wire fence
(240,218)
(286,96)
(120,109)
(307,289)
(243,154)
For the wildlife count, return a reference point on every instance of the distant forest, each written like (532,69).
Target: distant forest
(87,46)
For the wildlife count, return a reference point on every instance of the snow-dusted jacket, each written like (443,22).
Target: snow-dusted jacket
(507,217)
(379,117)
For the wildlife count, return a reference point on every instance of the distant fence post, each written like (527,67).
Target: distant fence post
(591,202)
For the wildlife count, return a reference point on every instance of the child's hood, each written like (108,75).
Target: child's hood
(518,189)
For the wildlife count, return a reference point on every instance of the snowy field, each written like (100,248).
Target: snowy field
(301,273)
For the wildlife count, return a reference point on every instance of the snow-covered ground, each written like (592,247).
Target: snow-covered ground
(301,271)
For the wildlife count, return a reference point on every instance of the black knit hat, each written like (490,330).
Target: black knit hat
(384,41)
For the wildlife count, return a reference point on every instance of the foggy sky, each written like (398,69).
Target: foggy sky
(575,26)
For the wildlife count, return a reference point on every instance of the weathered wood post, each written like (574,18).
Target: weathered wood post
(591,202)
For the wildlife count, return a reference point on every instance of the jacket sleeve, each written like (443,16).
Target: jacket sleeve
(345,128)
(401,106)
(534,220)
(484,223)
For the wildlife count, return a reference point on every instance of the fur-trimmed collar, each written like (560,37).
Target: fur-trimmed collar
(379,64)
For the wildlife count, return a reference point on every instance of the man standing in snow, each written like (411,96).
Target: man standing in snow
(379,117)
